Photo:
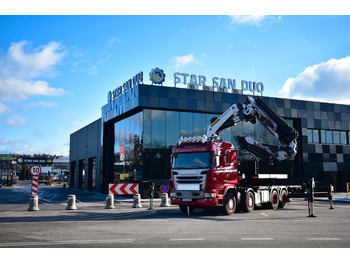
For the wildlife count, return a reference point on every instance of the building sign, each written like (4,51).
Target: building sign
(32,160)
(135,80)
(224,83)
(157,76)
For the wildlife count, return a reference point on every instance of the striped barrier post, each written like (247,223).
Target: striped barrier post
(35,171)
(35,185)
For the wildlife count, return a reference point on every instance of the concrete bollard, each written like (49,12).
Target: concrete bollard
(110,202)
(137,201)
(165,200)
(71,203)
(33,205)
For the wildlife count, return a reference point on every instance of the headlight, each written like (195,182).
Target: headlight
(209,194)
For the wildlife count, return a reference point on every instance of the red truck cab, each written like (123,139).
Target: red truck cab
(202,173)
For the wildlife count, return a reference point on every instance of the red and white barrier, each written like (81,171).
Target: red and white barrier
(35,171)
(124,189)
(35,184)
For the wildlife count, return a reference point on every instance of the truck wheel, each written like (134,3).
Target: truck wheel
(249,202)
(229,204)
(284,199)
(274,199)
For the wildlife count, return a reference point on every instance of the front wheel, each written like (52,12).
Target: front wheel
(229,204)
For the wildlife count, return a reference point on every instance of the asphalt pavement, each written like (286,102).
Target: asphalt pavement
(92,225)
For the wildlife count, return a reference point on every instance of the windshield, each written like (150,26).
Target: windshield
(193,160)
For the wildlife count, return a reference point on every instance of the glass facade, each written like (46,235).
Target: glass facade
(144,142)
(127,149)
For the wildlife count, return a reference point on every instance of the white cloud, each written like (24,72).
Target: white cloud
(112,40)
(25,63)
(15,146)
(12,89)
(15,120)
(184,60)
(181,61)
(328,81)
(4,109)
(21,66)
(40,104)
(254,20)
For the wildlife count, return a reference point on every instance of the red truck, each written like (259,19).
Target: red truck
(207,173)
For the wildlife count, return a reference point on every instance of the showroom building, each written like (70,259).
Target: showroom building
(141,123)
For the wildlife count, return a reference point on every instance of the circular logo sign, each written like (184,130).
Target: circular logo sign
(35,170)
(157,76)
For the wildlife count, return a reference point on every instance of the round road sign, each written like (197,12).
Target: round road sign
(35,170)
(164,188)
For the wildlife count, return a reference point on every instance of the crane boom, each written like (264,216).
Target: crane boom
(258,109)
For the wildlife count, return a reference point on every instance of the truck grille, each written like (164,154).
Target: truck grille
(187,181)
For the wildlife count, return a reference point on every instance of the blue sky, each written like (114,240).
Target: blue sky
(56,71)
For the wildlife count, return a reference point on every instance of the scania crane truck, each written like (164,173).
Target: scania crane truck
(206,171)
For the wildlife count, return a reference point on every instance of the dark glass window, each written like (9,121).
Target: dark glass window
(343,137)
(172,130)
(329,137)
(186,124)
(309,136)
(146,128)
(158,128)
(336,137)
(315,136)
(323,136)
(200,124)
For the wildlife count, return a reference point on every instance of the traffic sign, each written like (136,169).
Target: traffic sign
(35,170)
(124,189)
(164,188)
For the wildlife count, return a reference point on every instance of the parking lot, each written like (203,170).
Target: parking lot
(91,225)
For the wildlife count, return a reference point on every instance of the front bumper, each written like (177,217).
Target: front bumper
(205,202)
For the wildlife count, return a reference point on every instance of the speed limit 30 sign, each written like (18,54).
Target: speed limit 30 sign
(35,171)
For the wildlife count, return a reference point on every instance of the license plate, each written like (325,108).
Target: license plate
(187,199)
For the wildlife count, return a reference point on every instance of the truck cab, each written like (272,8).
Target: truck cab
(202,173)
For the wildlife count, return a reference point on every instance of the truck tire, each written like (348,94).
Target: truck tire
(284,199)
(249,202)
(274,199)
(230,203)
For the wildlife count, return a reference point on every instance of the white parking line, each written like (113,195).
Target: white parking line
(256,238)
(187,239)
(65,242)
(264,214)
(324,238)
